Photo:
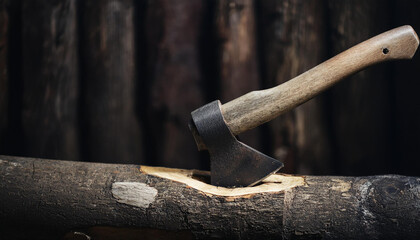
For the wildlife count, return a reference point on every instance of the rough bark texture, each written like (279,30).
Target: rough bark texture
(48,198)
(292,40)
(109,79)
(361,106)
(50,79)
(173,34)
(236,39)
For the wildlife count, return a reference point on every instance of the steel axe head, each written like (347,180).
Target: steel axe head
(233,164)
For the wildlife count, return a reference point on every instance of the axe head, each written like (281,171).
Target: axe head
(233,164)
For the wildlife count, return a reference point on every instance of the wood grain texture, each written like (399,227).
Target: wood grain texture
(293,41)
(258,107)
(236,38)
(50,79)
(175,80)
(46,199)
(112,127)
(362,107)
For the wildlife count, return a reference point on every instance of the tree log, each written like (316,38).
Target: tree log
(46,199)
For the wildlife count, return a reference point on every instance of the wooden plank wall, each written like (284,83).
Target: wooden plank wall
(115,81)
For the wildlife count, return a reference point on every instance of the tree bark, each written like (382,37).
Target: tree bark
(50,79)
(173,38)
(47,199)
(292,41)
(112,126)
(361,106)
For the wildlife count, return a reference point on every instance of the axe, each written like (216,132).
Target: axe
(214,126)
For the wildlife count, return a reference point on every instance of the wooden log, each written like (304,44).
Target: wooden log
(50,79)
(292,42)
(112,127)
(175,79)
(361,106)
(46,199)
(238,56)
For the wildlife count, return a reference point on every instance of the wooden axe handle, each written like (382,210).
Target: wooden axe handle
(258,107)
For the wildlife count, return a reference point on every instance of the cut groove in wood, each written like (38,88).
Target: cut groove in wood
(274,183)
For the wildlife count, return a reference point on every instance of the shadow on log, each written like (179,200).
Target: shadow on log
(48,199)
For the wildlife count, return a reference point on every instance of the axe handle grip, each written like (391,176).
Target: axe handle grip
(258,107)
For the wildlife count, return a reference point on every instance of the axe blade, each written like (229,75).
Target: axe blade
(233,164)
(241,166)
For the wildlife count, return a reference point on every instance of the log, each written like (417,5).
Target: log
(48,199)
(50,79)
(112,126)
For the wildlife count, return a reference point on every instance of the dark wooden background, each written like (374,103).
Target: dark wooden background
(116,80)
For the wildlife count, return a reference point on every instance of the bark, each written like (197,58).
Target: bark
(292,41)
(50,79)
(361,106)
(236,38)
(47,199)
(173,39)
(407,115)
(112,126)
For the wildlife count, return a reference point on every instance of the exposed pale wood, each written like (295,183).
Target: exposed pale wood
(45,199)
(112,127)
(50,79)
(173,40)
(258,107)
(273,183)
(236,36)
(293,41)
